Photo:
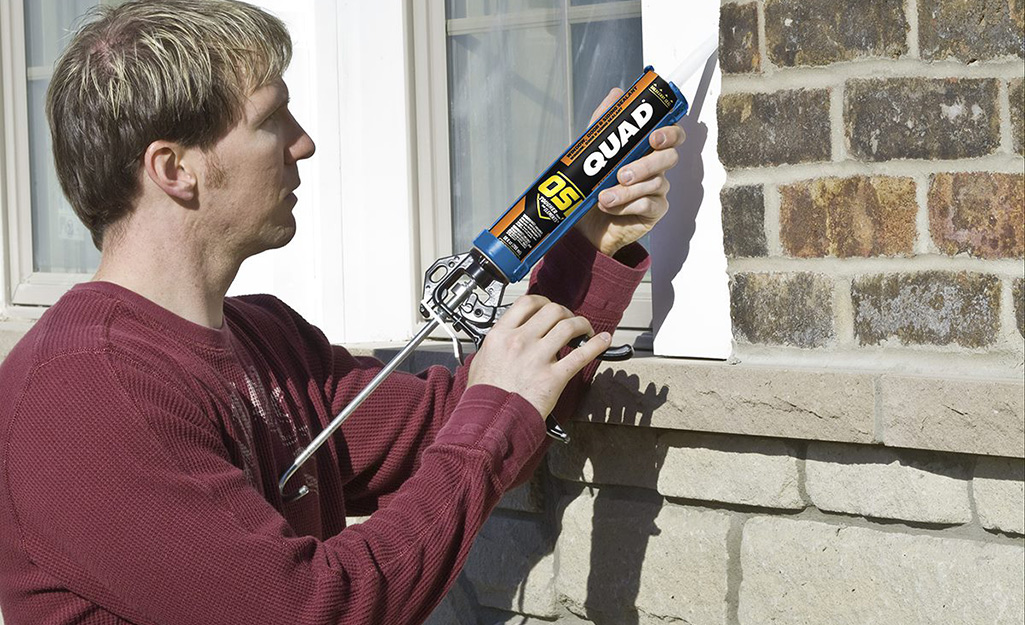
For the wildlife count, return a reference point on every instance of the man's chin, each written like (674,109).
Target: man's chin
(282,236)
(277,238)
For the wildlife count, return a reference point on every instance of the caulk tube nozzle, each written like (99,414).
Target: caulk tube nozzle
(694,61)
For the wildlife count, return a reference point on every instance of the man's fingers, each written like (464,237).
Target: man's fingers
(542,322)
(522,310)
(648,209)
(609,100)
(669,137)
(577,359)
(649,166)
(614,199)
(566,330)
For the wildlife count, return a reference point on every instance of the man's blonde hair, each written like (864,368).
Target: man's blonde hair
(177,70)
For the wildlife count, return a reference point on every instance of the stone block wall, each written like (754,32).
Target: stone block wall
(745,494)
(644,526)
(874,204)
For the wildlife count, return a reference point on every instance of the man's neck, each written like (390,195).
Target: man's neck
(171,272)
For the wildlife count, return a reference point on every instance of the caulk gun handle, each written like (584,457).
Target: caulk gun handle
(622,352)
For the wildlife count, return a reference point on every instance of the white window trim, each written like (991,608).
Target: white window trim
(430,31)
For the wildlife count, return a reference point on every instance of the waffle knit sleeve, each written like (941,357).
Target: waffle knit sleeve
(139,510)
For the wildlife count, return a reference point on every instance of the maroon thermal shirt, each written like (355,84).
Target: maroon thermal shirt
(141,453)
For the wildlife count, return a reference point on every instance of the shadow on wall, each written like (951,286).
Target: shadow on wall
(600,577)
(672,236)
(622,521)
(616,397)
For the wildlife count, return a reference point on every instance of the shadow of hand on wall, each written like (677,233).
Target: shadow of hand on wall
(670,239)
(616,397)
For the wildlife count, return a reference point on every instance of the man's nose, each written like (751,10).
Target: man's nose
(302,147)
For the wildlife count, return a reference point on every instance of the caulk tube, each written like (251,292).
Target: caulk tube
(570,186)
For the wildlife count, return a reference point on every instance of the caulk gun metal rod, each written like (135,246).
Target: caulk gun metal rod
(457,299)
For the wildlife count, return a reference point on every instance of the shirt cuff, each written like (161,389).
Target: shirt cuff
(590,280)
(503,424)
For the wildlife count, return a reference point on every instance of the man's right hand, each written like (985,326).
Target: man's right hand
(520,353)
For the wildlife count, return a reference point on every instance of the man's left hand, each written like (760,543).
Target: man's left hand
(627,211)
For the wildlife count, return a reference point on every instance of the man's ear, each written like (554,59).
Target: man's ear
(168,169)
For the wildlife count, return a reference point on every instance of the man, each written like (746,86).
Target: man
(145,418)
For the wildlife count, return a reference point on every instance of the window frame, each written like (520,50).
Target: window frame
(26,292)
(430,71)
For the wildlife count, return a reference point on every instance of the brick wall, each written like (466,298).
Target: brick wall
(875,191)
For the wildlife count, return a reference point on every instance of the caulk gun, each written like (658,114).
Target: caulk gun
(465,290)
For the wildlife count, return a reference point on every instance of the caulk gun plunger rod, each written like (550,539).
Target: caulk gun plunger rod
(459,296)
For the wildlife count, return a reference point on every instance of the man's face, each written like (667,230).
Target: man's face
(252,171)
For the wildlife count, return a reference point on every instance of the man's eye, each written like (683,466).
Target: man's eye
(272,118)
(280,113)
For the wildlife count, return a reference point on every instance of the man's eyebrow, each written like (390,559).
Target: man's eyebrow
(284,97)
(281,98)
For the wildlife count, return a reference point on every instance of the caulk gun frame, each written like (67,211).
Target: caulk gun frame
(458,297)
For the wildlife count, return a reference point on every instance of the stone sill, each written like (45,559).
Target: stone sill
(978,415)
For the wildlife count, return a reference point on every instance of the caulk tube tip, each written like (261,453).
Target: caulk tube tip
(694,61)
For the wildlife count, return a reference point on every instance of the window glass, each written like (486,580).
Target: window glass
(510,103)
(457,9)
(521,91)
(60,243)
(605,54)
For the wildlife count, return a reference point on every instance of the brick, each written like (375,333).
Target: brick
(1016,93)
(819,32)
(730,469)
(511,567)
(808,572)
(927,308)
(738,38)
(758,129)
(978,213)
(897,118)
(999,490)
(743,221)
(888,484)
(624,559)
(782,309)
(953,414)
(607,454)
(847,217)
(970,30)
(1018,294)
(736,399)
